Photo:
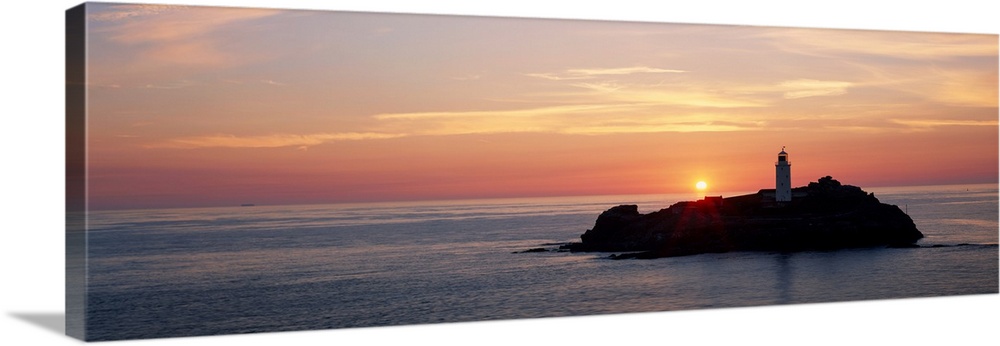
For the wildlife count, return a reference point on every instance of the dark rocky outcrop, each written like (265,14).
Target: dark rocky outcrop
(537,249)
(824,215)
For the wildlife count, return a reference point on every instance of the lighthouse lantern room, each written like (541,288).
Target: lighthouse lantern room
(783,178)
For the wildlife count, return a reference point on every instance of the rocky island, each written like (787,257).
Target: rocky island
(825,215)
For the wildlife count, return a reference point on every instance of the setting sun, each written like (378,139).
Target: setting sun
(701,185)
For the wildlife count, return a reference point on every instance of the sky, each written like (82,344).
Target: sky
(203,106)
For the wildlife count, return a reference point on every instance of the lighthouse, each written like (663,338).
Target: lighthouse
(783,178)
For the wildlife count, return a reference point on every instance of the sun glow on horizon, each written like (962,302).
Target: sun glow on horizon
(701,185)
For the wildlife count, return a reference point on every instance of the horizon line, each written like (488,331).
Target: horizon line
(446,199)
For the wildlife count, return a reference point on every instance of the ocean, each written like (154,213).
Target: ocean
(206,271)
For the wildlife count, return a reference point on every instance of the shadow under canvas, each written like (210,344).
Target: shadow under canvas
(52,321)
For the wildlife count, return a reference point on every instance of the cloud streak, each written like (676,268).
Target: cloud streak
(930,123)
(513,113)
(578,74)
(175,24)
(122,12)
(802,88)
(894,44)
(597,119)
(267,141)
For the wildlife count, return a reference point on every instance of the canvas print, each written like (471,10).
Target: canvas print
(242,170)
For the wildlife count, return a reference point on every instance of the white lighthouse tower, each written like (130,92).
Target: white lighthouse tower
(783,178)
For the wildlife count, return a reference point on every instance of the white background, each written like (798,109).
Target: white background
(31,193)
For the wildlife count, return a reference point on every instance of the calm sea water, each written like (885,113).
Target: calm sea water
(185,272)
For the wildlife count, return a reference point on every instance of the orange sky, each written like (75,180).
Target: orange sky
(198,106)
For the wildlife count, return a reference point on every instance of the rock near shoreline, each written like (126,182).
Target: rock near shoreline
(824,215)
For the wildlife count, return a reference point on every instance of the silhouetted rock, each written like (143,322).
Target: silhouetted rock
(537,249)
(824,215)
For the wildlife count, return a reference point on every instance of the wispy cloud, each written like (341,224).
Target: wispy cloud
(930,123)
(121,12)
(598,119)
(179,23)
(271,82)
(514,113)
(960,87)
(630,85)
(172,85)
(893,44)
(664,95)
(696,98)
(619,71)
(266,141)
(801,88)
(551,119)
(577,74)
(662,124)
(174,34)
(955,85)
(604,87)
(468,77)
